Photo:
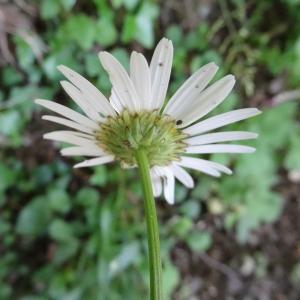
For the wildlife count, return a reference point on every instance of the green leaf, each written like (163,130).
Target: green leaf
(190,208)
(266,209)
(145,22)
(128,255)
(129,29)
(6,290)
(59,201)
(270,118)
(171,278)
(105,222)
(65,251)
(10,76)
(292,159)
(68,4)
(92,65)
(174,33)
(199,241)
(181,193)
(130,4)
(42,175)
(117,3)
(8,177)
(80,29)
(49,9)
(10,122)
(33,218)
(25,55)
(260,207)
(99,178)
(60,231)
(87,197)
(181,226)
(106,32)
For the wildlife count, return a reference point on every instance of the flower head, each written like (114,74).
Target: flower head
(135,116)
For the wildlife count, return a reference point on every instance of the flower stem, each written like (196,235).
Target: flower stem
(152,227)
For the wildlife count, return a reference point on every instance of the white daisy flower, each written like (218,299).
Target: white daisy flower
(135,117)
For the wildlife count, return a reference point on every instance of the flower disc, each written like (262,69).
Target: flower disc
(157,134)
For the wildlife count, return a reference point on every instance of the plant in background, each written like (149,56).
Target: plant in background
(136,128)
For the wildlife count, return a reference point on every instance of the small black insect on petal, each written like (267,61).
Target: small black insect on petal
(160,64)
(179,122)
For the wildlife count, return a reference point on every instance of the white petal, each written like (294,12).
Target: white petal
(82,151)
(95,161)
(160,68)
(70,137)
(169,188)
(157,186)
(67,123)
(68,113)
(167,176)
(96,98)
(183,176)
(221,120)
(207,101)
(140,76)
(121,82)
(220,137)
(81,101)
(217,166)
(191,89)
(115,102)
(220,148)
(156,183)
(198,164)
(168,182)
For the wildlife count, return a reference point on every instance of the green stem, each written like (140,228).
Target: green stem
(152,227)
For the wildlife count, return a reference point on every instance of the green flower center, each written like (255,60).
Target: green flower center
(157,134)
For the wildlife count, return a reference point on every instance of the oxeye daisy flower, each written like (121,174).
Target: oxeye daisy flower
(137,128)
(136,116)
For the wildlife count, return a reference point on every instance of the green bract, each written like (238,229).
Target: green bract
(157,134)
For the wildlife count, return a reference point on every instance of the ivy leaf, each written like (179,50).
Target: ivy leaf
(68,4)
(130,4)
(10,122)
(171,278)
(129,28)
(33,219)
(106,32)
(87,197)
(8,177)
(181,226)
(100,176)
(60,231)
(292,159)
(50,9)
(65,251)
(81,29)
(59,201)
(199,241)
(145,22)
(259,208)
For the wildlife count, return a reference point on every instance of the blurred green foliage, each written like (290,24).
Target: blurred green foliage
(71,235)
